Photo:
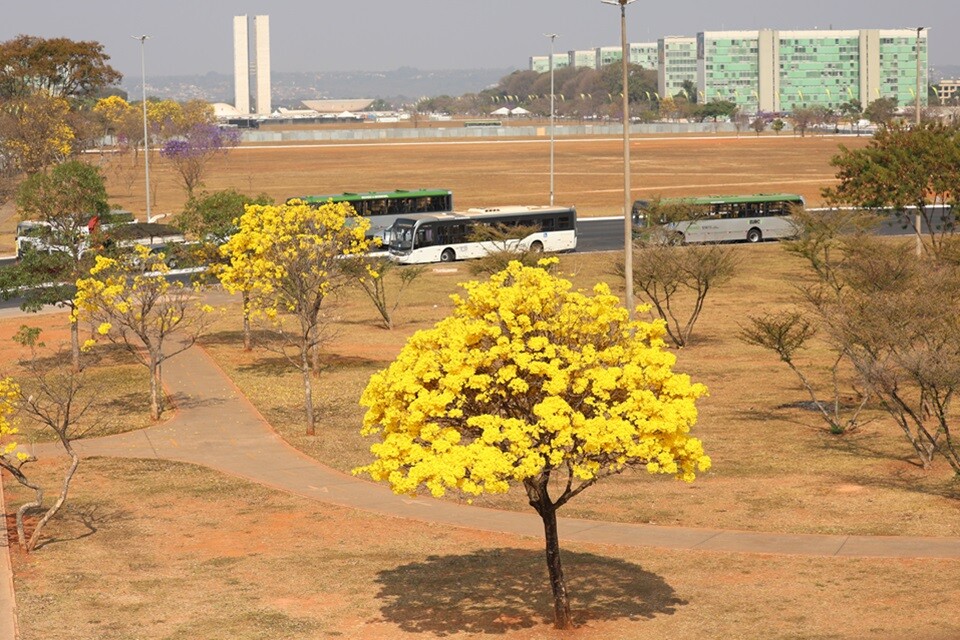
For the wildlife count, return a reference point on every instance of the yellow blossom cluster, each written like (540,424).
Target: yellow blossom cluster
(276,244)
(9,392)
(528,375)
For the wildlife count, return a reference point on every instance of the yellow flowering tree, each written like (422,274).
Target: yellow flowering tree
(287,260)
(35,132)
(134,305)
(530,382)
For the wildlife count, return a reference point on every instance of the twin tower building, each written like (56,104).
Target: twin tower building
(251,73)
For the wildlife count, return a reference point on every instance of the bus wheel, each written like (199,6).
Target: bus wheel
(678,240)
(536,247)
(448,255)
(754,235)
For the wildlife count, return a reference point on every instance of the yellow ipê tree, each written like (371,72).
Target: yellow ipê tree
(287,260)
(135,305)
(531,382)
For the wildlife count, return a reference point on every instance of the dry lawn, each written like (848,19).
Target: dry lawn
(588,172)
(162,550)
(775,468)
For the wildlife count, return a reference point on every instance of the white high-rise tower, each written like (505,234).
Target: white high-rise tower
(259,67)
(261,70)
(241,65)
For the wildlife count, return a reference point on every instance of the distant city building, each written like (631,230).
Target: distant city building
(257,69)
(583,58)
(540,64)
(643,54)
(948,91)
(775,71)
(608,55)
(676,64)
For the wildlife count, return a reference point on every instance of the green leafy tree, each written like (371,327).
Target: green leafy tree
(64,201)
(903,167)
(59,67)
(530,383)
(777,125)
(881,111)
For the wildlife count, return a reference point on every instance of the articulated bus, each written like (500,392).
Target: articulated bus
(719,218)
(383,207)
(445,237)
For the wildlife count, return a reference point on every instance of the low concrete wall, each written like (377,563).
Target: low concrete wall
(533,131)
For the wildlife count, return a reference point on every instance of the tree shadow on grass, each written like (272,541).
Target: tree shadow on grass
(78,522)
(494,591)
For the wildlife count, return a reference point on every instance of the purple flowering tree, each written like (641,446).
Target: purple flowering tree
(191,153)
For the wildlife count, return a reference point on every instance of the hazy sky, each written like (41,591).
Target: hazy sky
(195,36)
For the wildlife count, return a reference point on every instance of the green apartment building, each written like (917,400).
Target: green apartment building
(676,63)
(775,71)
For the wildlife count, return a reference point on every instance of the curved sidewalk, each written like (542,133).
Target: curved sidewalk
(217,427)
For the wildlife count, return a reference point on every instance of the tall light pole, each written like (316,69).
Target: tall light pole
(552,36)
(146,147)
(916,219)
(627,203)
(917,101)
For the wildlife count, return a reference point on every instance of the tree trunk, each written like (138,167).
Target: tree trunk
(247,342)
(17,473)
(561,604)
(52,511)
(308,393)
(540,500)
(155,405)
(75,345)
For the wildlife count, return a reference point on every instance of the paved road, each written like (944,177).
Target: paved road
(606,234)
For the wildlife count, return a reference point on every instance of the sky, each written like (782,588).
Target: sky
(190,37)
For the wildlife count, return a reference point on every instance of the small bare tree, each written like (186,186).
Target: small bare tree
(58,399)
(787,333)
(677,280)
(375,277)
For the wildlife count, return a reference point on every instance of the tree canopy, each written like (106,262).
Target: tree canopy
(60,67)
(527,381)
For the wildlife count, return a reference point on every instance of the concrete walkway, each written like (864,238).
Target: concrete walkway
(217,427)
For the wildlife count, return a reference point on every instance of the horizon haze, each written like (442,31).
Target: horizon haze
(195,38)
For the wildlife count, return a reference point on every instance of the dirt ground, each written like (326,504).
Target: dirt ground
(157,550)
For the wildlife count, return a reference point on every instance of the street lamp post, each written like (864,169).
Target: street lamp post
(627,204)
(146,147)
(552,36)
(916,219)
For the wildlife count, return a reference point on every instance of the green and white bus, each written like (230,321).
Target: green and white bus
(752,218)
(445,237)
(383,207)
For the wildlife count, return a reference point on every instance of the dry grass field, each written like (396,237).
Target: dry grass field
(158,550)
(155,550)
(588,173)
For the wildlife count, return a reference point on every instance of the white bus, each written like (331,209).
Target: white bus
(719,218)
(445,237)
